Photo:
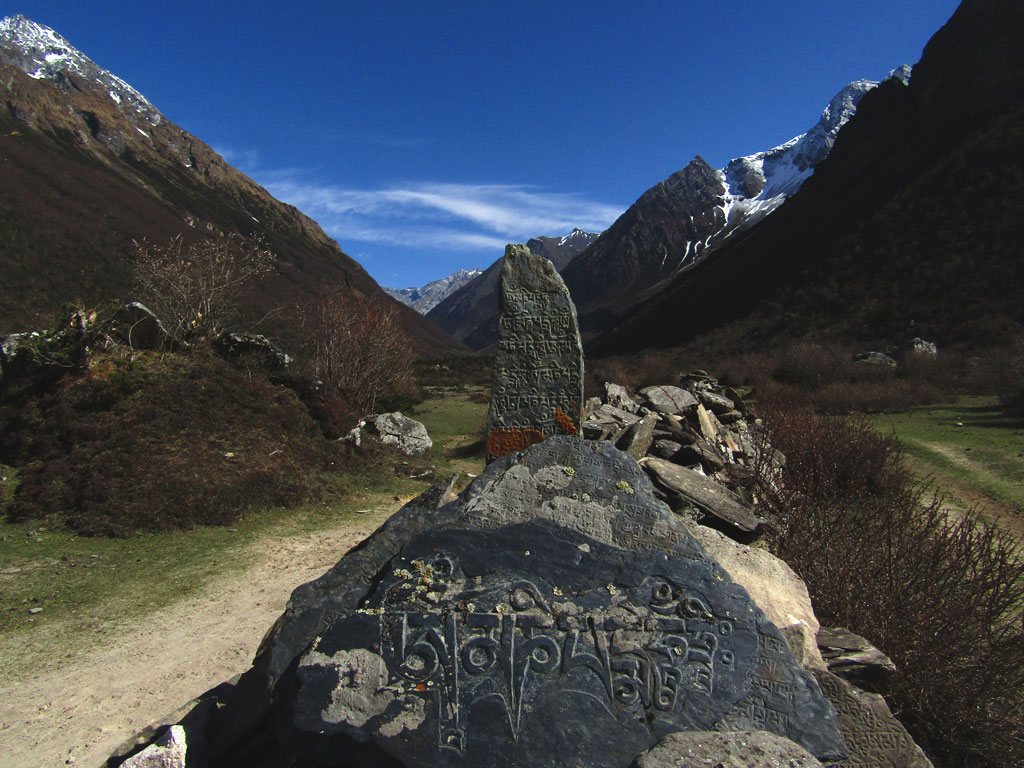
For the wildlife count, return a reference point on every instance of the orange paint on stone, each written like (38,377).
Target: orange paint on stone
(505,441)
(565,425)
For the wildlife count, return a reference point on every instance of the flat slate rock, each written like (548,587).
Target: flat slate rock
(534,644)
(710,497)
(669,399)
(538,367)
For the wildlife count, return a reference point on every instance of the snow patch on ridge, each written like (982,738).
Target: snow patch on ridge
(41,53)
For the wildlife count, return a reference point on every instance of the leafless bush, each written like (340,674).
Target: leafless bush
(944,598)
(357,348)
(193,286)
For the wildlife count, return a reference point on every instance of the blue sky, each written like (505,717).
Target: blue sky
(423,136)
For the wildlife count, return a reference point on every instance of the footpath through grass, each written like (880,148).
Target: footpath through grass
(61,592)
(972,450)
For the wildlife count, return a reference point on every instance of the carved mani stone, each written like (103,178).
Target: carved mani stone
(531,642)
(538,367)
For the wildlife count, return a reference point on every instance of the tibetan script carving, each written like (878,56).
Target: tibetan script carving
(538,368)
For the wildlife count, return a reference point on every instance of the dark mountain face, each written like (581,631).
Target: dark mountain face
(470,314)
(910,227)
(647,244)
(89,166)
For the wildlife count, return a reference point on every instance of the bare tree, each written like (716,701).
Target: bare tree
(357,347)
(193,287)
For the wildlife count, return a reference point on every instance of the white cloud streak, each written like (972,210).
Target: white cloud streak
(441,215)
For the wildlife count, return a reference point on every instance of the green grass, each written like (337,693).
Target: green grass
(967,446)
(454,417)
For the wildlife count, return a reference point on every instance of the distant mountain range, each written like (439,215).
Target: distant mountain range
(470,314)
(433,293)
(89,165)
(910,226)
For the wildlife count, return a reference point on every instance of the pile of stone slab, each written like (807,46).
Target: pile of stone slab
(697,441)
(557,612)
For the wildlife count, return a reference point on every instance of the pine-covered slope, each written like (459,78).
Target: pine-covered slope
(89,165)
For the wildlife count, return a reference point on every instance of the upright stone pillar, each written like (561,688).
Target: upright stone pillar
(538,369)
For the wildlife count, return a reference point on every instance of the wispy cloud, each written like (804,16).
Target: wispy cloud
(438,214)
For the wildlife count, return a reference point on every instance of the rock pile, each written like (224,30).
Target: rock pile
(697,441)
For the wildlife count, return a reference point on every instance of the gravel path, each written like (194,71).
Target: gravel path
(78,710)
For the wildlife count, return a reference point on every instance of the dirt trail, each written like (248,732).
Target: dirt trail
(1007,517)
(77,711)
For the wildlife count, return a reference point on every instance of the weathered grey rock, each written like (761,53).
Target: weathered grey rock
(729,417)
(875,358)
(636,440)
(510,646)
(583,486)
(873,737)
(700,453)
(407,435)
(746,749)
(255,348)
(665,449)
(607,421)
(538,368)
(710,497)
(168,751)
(853,658)
(438,494)
(774,587)
(137,326)
(737,400)
(709,426)
(616,395)
(920,348)
(669,399)
(715,402)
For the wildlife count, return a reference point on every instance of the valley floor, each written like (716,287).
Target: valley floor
(77,709)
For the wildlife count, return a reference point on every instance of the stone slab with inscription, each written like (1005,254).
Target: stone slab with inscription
(874,737)
(533,644)
(538,367)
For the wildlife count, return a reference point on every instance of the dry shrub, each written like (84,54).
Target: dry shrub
(944,598)
(163,442)
(358,349)
(193,287)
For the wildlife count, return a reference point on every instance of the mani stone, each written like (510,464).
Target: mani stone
(517,645)
(585,486)
(874,738)
(538,367)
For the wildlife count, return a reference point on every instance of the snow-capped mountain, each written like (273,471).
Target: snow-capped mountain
(680,221)
(433,293)
(758,184)
(90,165)
(470,314)
(43,54)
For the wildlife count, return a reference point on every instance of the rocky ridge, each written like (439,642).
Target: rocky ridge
(433,293)
(470,313)
(681,221)
(90,166)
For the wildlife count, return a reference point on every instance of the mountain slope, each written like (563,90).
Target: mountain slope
(470,314)
(909,228)
(89,165)
(680,221)
(433,293)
